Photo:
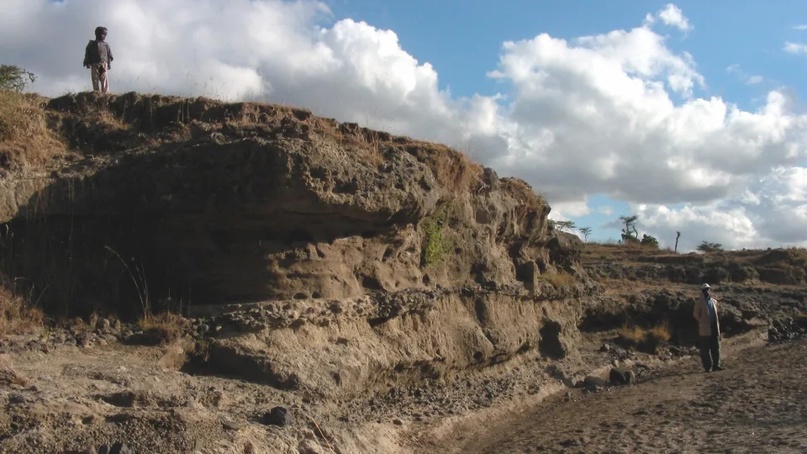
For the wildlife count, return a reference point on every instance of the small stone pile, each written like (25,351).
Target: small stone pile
(786,329)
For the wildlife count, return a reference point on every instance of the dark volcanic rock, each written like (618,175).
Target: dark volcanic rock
(621,376)
(278,416)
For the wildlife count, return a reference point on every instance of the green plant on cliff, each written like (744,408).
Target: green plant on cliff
(434,241)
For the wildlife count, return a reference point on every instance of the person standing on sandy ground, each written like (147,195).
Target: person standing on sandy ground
(708,329)
(98,57)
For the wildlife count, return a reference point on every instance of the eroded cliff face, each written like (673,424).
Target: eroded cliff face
(228,203)
(385,259)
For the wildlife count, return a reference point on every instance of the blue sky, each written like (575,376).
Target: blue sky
(462,39)
(692,114)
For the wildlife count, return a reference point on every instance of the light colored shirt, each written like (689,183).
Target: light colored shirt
(710,305)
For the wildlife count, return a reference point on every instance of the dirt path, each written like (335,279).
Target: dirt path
(758,404)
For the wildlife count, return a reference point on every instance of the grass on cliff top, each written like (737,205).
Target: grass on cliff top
(450,167)
(25,138)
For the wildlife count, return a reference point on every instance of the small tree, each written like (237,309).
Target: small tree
(15,78)
(629,233)
(586,231)
(706,246)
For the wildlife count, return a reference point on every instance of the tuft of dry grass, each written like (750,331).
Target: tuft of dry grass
(16,315)
(632,334)
(8,376)
(455,171)
(164,327)
(646,339)
(660,332)
(25,138)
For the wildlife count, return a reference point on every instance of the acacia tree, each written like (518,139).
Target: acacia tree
(586,231)
(564,225)
(15,78)
(706,246)
(629,232)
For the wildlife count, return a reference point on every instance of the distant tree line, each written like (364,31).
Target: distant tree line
(630,234)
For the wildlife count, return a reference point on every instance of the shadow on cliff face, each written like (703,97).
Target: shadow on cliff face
(180,202)
(189,223)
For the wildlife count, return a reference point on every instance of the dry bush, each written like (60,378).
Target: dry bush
(25,138)
(644,339)
(16,315)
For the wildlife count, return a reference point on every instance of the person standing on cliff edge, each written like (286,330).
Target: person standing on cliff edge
(709,329)
(98,57)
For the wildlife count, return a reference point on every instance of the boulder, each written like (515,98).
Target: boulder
(278,416)
(621,376)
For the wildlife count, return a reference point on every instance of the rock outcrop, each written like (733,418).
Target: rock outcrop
(373,260)
(211,203)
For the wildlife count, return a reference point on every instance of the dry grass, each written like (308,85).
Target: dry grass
(25,138)
(660,332)
(453,170)
(16,315)
(636,335)
(561,281)
(633,334)
(593,251)
(374,146)
(8,376)
(164,326)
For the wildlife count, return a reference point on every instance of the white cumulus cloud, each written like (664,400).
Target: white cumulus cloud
(795,48)
(673,16)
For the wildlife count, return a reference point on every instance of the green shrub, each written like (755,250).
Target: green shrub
(434,242)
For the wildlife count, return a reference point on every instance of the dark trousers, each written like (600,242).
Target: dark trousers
(710,351)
